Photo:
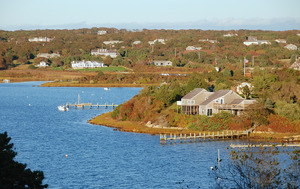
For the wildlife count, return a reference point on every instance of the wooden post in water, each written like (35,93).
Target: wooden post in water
(195,137)
(175,138)
(204,137)
(223,135)
(213,136)
(199,136)
(180,137)
(190,137)
(161,139)
(170,138)
(184,138)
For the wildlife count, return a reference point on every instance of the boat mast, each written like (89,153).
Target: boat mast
(78,98)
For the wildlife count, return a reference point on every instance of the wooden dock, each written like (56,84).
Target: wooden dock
(201,137)
(264,145)
(90,105)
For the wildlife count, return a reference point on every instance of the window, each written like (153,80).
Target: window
(209,112)
(222,101)
(182,101)
(193,101)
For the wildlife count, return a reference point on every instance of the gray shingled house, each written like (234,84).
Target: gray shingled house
(200,101)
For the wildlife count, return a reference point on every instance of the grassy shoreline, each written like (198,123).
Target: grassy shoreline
(69,84)
(139,127)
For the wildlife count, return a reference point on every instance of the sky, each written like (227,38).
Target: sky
(150,14)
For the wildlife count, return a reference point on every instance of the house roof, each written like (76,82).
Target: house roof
(215,95)
(236,101)
(193,93)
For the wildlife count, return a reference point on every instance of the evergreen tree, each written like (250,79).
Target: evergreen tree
(14,174)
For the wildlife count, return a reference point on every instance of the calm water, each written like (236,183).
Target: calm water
(98,157)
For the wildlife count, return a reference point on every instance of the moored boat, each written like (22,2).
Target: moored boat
(62,108)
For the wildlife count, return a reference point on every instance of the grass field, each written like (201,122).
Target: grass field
(105,69)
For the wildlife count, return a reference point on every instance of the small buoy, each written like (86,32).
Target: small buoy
(67,155)
(29,104)
(82,91)
(212,168)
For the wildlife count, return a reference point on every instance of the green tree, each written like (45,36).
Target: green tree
(288,110)
(14,174)
(246,91)
(196,81)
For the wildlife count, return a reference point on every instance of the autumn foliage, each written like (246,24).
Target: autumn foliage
(281,124)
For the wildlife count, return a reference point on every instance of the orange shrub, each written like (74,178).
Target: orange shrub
(280,124)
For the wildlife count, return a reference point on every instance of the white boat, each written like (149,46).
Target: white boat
(62,108)
(106,88)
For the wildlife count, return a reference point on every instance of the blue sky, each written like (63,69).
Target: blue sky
(150,14)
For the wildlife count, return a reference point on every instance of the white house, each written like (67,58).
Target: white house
(162,41)
(136,42)
(42,64)
(47,55)
(253,41)
(102,32)
(105,52)
(208,40)
(87,64)
(291,47)
(40,39)
(280,40)
(295,66)
(162,63)
(192,48)
(112,42)
(230,35)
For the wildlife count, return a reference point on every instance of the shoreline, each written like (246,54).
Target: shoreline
(68,84)
(139,127)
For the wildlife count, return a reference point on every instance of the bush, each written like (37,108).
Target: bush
(32,67)
(280,124)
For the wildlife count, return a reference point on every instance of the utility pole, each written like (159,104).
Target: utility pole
(244,66)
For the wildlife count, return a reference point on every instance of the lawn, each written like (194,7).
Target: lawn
(105,69)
